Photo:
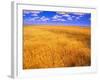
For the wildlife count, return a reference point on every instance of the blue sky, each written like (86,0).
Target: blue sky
(31,17)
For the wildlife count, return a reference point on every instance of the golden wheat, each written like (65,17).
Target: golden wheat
(57,46)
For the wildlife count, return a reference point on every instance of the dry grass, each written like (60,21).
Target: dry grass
(57,46)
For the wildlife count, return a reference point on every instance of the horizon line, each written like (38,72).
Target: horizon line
(55,25)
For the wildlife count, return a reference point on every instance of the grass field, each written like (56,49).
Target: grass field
(48,46)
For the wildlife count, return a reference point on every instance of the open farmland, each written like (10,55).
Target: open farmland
(48,46)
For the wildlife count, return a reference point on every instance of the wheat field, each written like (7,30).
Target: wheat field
(48,46)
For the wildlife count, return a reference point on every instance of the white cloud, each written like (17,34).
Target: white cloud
(58,20)
(24,14)
(77,18)
(33,13)
(69,18)
(66,15)
(36,12)
(43,18)
(54,20)
(34,18)
(81,15)
(61,19)
(73,16)
(78,13)
(56,17)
